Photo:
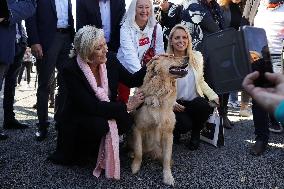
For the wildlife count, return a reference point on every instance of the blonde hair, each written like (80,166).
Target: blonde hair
(189,51)
(85,41)
(129,16)
(224,3)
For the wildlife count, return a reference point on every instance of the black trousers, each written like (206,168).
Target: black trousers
(193,118)
(55,57)
(11,83)
(223,108)
(261,120)
(28,66)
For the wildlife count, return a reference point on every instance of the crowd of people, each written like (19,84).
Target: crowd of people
(98,63)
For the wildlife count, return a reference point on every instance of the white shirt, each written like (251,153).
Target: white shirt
(105,17)
(62,13)
(186,86)
(272,21)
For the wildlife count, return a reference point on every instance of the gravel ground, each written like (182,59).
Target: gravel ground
(23,161)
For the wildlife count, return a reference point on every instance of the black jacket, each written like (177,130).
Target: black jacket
(81,99)
(84,120)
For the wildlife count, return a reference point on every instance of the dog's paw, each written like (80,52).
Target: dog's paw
(169,179)
(135,167)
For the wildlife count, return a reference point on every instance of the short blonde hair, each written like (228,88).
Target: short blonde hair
(189,51)
(85,41)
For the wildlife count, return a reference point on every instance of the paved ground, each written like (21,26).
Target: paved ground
(23,160)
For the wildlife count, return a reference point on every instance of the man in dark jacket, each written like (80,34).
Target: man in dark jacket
(16,12)
(50,32)
(105,14)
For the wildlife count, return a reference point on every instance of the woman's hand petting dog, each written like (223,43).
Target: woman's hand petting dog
(135,101)
(178,107)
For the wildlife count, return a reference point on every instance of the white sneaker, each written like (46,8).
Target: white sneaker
(275,128)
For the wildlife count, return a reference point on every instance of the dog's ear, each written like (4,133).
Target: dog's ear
(150,62)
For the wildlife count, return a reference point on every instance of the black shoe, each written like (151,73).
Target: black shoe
(3,136)
(194,142)
(258,148)
(14,124)
(41,133)
(227,123)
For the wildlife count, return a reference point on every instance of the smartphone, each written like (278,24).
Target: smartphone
(258,51)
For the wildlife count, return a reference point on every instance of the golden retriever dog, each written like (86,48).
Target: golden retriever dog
(154,121)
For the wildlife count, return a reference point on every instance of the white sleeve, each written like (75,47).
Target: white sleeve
(159,41)
(128,53)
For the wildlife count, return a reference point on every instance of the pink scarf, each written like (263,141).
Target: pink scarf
(108,157)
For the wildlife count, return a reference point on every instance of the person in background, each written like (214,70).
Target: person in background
(262,120)
(270,17)
(201,17)
(232,11)
(50,32)
(27,63)
(105,14)
(191,108)
(9,37)
(92,117)
(136,33)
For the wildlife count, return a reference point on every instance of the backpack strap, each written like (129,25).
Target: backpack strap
(154,36)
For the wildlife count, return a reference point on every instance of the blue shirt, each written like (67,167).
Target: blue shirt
(62,13)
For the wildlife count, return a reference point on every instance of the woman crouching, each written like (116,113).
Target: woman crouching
(92,120)
(191,108)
